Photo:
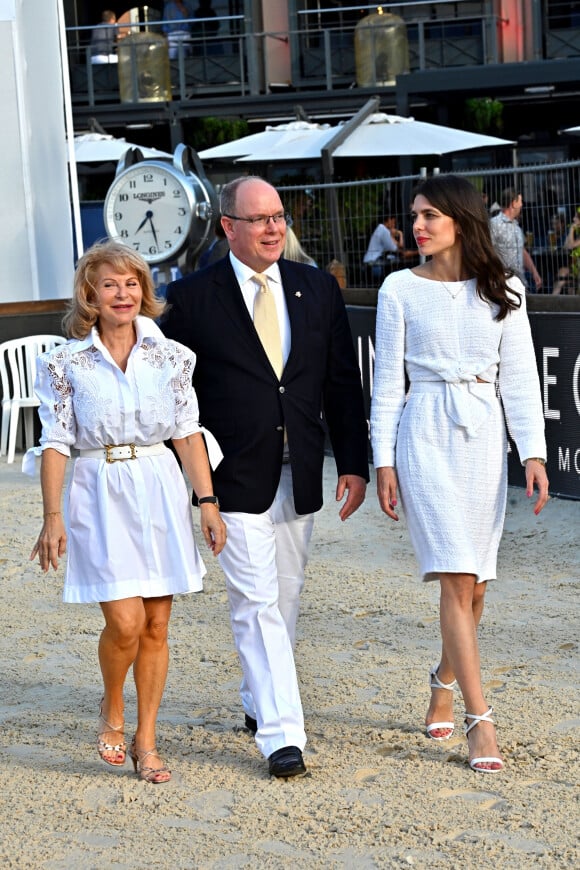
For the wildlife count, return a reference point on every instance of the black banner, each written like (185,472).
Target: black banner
(557,345)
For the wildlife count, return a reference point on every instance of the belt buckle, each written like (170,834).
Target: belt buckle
(109,454)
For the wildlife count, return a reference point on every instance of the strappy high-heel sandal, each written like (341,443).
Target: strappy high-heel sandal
(154,775)
(448,727)
(120,749)
(483,759)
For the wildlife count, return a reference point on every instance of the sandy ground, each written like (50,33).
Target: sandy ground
(378,794)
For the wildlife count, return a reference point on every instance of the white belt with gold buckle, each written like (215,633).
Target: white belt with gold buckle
(122,452)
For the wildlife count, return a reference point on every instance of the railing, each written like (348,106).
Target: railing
(211,63)
(326,56)
(550,192)
(322,55)
(551,195)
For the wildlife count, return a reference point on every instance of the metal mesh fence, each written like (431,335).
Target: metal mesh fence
(551,195)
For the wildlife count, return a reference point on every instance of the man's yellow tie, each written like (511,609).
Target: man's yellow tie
(266,323)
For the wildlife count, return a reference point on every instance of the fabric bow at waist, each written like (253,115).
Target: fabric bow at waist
(467,403)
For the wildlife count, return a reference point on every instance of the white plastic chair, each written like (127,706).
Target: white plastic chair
(17,374)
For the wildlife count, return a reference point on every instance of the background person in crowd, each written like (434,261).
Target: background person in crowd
(489,202)
(556,239)
(205,19)
(573,245)
(455,326)
(205,26)
(293,250)
(217,249)
(508,237)
(104,39)
(305,213)
(129,531)
(569,273)
(556,252)
(385,244)
(274,352)
(177,27)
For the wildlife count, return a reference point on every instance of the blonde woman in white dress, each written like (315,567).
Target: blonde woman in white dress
(115,392)
(456,327)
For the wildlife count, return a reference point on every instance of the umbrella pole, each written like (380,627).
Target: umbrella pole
(332,206)
(345,130)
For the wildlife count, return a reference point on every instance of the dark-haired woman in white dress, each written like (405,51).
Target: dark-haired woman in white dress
(457,327)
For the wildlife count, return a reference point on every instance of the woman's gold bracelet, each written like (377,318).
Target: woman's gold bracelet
(535,459)
(52,514)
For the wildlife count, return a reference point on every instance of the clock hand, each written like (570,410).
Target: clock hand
(143,222)
(150,218)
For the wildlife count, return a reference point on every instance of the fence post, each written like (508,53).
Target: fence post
(369,107)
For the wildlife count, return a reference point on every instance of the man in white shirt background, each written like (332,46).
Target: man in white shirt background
(385,244)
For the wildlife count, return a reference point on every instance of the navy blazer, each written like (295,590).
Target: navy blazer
(244,404)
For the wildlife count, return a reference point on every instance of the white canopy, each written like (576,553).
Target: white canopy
(296,140)
(100,148)
(382,135)
(379,135)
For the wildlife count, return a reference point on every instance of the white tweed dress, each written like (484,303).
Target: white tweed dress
(446,436)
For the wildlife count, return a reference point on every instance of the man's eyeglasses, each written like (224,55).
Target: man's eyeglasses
(262,220)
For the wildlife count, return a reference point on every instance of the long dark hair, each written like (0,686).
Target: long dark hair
(458,199)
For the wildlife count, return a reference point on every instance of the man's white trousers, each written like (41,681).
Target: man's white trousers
(264,562)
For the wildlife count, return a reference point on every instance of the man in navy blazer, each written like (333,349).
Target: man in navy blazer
(271,430)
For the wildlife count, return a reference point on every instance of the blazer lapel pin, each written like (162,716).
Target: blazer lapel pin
(298,294)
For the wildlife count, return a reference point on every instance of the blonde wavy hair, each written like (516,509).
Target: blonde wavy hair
(293,250)
(83,311)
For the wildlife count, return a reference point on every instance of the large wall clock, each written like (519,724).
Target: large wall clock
(160,209)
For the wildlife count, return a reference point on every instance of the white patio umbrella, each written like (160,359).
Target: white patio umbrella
(575,130)
(382,135)
(368,134)
(101,148)
(297,140)
(379,135)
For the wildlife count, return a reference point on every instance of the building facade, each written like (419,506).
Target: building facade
(506,67)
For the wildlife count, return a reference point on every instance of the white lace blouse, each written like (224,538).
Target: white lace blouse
(87,401)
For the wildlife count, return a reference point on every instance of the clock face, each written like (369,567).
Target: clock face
(149,207)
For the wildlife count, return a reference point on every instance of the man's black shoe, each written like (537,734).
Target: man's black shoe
(250,723)
(287,761)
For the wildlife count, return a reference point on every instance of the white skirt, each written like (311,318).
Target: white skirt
(453,485)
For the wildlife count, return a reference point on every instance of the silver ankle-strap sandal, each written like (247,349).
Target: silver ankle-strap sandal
(483,759)
(449,727)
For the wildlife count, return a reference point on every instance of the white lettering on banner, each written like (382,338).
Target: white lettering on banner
(361,361)
(548,352)
(563,459)
(576,384)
